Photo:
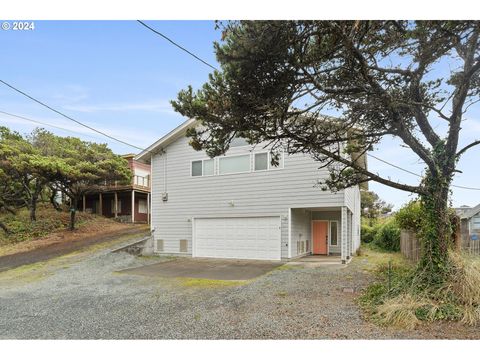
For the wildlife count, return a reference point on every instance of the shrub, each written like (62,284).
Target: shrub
(368,233)
(396,300)
(409,217)
(387,237)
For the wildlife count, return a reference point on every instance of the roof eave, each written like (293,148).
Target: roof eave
(145,155)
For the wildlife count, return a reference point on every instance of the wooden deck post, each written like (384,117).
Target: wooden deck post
(100,203)
(148,208)
(133,206)
(343,248)
(116,205)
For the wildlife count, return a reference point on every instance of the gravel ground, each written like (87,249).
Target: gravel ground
(83,297)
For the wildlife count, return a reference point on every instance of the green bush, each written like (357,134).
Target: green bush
(409,217)
(387,237)
(368,233)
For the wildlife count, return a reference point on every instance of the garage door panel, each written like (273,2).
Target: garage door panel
(240,238)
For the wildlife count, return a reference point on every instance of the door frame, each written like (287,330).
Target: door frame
(328,234)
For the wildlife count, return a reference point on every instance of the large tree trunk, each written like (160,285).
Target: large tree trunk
(73,211)
(33,208)
(34,200)
(436,234)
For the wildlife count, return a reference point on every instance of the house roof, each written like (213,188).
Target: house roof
(467,214)
(167,139)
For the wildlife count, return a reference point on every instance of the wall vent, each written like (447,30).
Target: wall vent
(183,245)
(160,245)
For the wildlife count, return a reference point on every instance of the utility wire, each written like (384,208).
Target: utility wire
(372,156)
(46,124)
(213,67)
(68,117)
(412,173)
(177,45)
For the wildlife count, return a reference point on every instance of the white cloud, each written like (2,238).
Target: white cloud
(71,94)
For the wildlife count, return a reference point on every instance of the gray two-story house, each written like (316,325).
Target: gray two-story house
(240,206)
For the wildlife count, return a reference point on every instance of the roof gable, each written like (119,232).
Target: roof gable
(164,141)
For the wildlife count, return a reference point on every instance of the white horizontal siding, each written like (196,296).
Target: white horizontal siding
(264,193)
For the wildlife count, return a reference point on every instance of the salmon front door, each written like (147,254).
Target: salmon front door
(320,237)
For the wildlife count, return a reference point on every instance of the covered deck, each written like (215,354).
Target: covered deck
(118,204)
(322,233)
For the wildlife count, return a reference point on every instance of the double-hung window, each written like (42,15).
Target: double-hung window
(263,161)
(203,167)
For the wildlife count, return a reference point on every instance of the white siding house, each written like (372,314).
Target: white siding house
(239,206)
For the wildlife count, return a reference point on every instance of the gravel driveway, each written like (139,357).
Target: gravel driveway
(82,296)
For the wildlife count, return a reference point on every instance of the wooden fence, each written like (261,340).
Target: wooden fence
(473,247)
(409,245)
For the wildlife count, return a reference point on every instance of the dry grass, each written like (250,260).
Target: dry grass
(406,306)
(401,311)
(464,284)
(90,226)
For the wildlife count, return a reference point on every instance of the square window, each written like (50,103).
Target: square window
(197,168)
(261,161)
(208,167)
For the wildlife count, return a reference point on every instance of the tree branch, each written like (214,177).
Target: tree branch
(469,146)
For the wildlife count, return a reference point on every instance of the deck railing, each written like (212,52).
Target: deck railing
(137,180)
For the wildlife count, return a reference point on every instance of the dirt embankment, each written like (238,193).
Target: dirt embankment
(64,242)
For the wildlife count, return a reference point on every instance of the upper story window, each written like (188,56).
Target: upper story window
(202,167)
(263,161)
(234,164)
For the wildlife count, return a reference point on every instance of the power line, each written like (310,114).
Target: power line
(177,45)
(213,67)
(68,117)
(395,166)
(412,173)
(46,124)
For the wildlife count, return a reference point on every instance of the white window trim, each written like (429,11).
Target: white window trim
(269,161)
(330,232)
(251,154)
(236,155)
(202,160)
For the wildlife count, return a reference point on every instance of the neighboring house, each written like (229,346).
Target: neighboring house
(240,206)
(126,196)
(469,225)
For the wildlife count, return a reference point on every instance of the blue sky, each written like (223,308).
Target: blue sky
(119,77)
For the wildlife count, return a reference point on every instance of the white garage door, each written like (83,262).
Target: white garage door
(238,238)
